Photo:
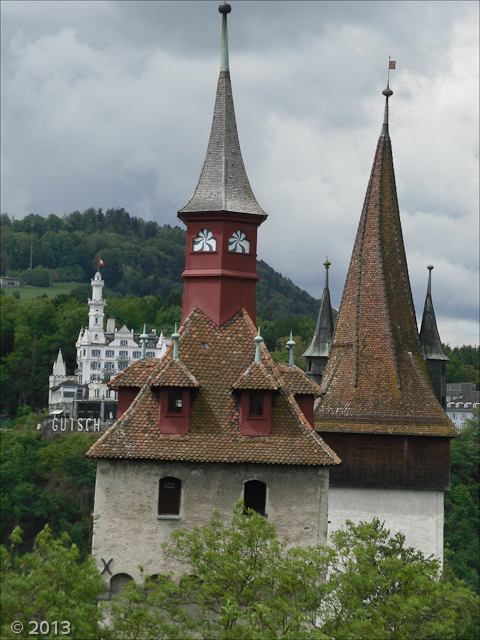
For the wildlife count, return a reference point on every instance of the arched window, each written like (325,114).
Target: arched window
(117,583)
(238,243)
(169,496)
(255,496)
(204,241)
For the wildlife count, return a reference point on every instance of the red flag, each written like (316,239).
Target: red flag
(391,64)
(101,263)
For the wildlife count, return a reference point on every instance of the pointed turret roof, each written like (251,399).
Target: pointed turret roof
(322,338)
(376,380)
(432,347)
(223,184)
(59,365)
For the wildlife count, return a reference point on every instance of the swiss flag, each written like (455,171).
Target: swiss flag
(101,263)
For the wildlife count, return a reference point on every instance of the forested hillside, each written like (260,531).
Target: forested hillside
(141,258)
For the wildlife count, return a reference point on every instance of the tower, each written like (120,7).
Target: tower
(96,305)
(378,409)
(222,216)
(213,420)
(318,351)
(432,347)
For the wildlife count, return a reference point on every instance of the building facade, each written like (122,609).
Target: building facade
(462,399)
(101,353)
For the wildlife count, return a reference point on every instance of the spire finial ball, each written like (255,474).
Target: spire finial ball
(225,8)
(430,267)
(387,92)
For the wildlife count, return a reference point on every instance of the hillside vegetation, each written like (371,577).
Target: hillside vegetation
(141,258)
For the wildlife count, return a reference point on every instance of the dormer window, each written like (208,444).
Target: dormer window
(175,402)
(174,410)
(255,404)
(255,412)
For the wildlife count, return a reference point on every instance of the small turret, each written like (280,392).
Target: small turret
(318,352)
(432,348)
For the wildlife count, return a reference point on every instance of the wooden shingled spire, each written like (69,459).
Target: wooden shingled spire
(376,380)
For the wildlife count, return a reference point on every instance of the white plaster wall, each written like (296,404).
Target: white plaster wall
(418,514)
(127,530)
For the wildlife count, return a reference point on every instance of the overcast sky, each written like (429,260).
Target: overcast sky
(109,104)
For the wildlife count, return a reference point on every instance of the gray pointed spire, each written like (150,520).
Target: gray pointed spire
(318,352)
(432,348)
(223,184)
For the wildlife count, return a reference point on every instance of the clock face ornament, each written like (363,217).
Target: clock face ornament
(238,243)
(204,241)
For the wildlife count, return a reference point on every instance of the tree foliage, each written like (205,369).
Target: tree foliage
(141,258)
(241,581)
(51,583)
(463,364)
(47,482)
(462,504)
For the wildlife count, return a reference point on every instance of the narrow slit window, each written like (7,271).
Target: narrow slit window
(255,496)
(169,496)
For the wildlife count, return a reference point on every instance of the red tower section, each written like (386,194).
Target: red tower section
(222,216)
(220,265)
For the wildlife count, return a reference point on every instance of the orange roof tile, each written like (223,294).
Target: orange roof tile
(216,357)
(175,374)
(135,375)
(297,381)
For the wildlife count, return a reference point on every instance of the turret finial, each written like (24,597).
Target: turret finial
(258,340)
(326,264)
(290,346)
(429,286)
(224,9)
(175,337)
(387,92)
(143,340)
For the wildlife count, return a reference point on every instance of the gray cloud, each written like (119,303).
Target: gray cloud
(110,104)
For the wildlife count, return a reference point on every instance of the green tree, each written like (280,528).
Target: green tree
(462,504)
(52,583)
(241,581)
(47,482)
(379,588)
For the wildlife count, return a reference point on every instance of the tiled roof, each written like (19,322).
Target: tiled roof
(376,380)
(175,374)
(259,375)
(297,381)
(216,357)
(135,375)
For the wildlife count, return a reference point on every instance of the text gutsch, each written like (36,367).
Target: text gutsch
(76,424)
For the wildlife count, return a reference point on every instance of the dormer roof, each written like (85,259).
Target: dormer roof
(135,375)
(217,357)
(297,381)
(175,374)
(259,375)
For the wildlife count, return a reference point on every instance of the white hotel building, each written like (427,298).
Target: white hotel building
(100,355)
